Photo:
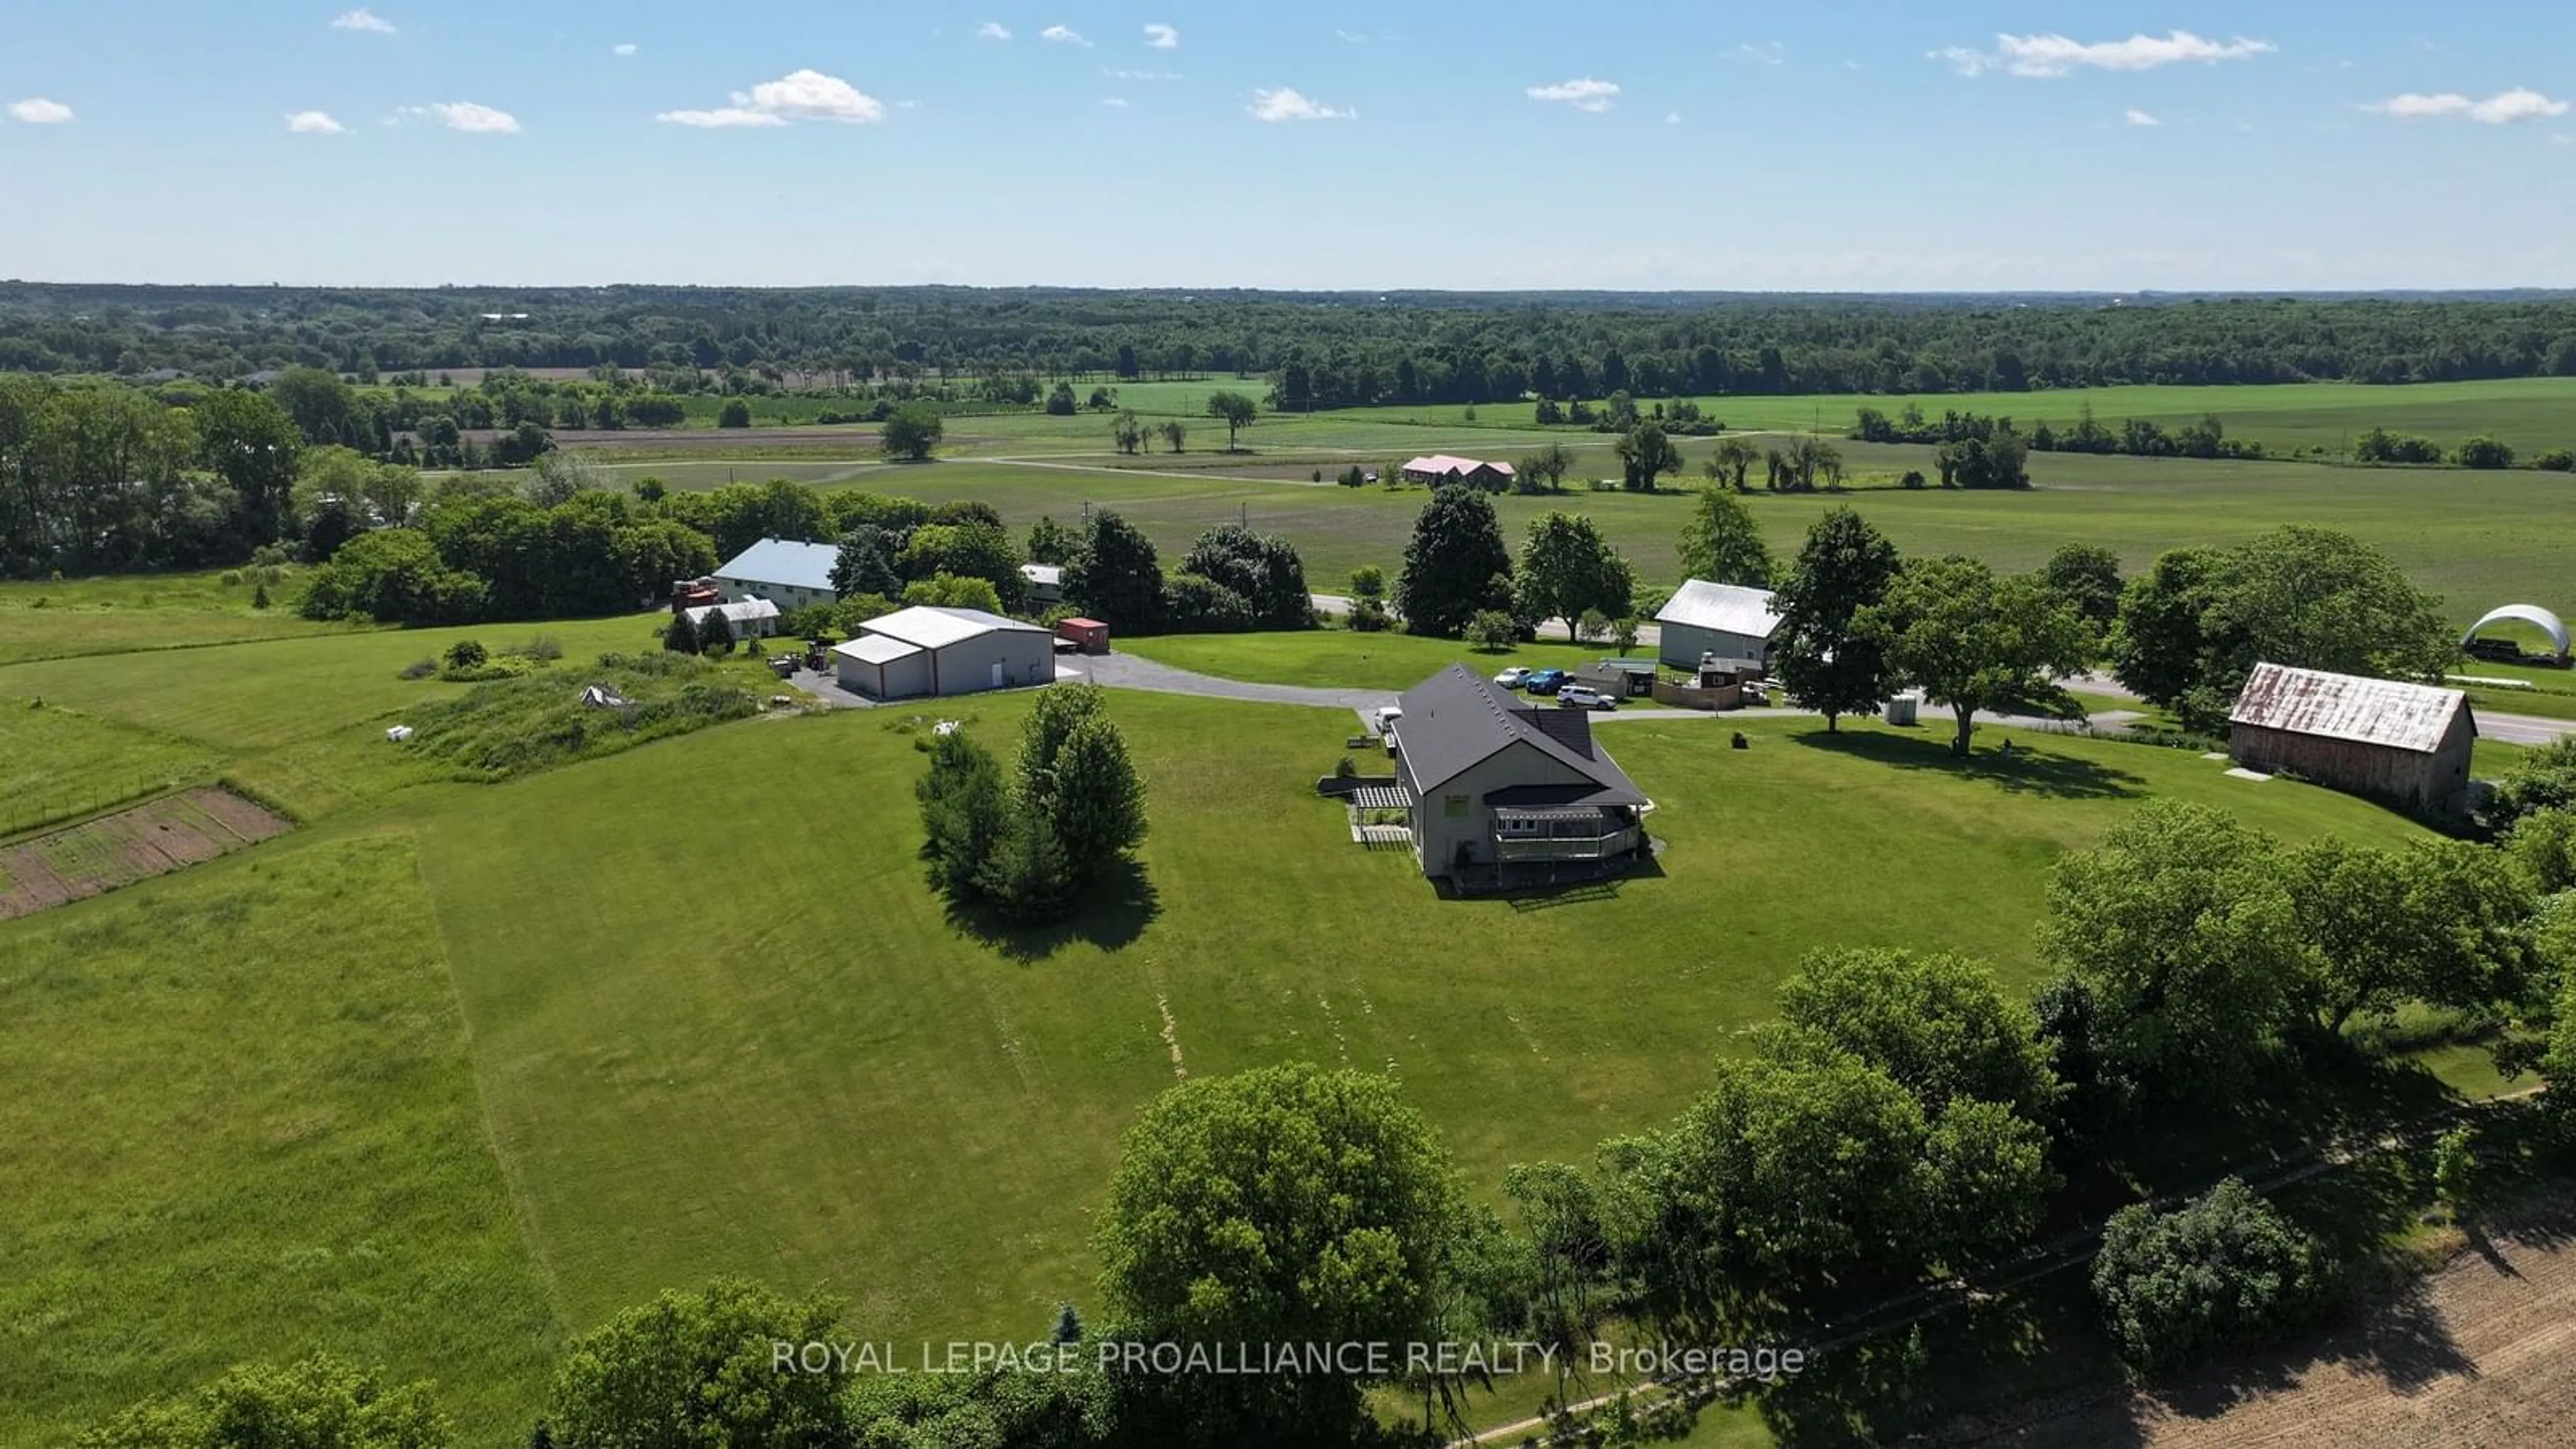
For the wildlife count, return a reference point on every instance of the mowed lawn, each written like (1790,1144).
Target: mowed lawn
(1341,659)
(241,1124)
(721,1024)
(57,761)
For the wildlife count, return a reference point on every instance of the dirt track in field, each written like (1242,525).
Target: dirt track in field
(2480,1355)
(154,838)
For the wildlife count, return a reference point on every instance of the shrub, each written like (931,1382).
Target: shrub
(736,414)
(2220,1272)
(1345,768)
(1492,630)
(2485,453)
(420,669)
(259,597)
(1913,478)
(466,654)
(2556,460)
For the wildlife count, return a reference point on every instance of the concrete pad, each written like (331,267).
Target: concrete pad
(2215,755)
(2241,773)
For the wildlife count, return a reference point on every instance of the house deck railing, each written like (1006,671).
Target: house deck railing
(1523,850)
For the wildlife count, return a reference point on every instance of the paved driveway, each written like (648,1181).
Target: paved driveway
(1129,671)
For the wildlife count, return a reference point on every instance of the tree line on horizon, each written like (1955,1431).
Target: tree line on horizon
(1320,349)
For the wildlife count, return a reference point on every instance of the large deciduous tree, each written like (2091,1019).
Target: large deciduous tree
(1233,409)
(1646,454)
(2223,1271)
(1283,1205)
(1973,640)
(1262,569)
(1723,544)
(702,1368)
(1455,566)
(910,432)
(1567,569)
(2181,926)
(1824,659)
(2087,577)
(2445,923)
(1114,575)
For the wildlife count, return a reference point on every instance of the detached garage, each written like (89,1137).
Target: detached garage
(1725,620)
(927,651)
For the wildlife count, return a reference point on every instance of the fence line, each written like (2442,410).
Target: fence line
(33,812)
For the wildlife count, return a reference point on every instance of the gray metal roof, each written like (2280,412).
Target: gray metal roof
(1457,719)
(786,562)
(2349,707)
(1727,608)
(937,628)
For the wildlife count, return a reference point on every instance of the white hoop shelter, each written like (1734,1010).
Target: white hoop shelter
(2532,614)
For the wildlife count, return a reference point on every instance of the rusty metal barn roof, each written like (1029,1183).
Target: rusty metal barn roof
(2348,707)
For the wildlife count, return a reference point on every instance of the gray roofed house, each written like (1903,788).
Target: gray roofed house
(794,574)
(744,618)
(1506,793)
(1727,620)
(2408,743)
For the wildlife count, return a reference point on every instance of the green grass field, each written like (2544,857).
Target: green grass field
(1339,659)
(133,612)
(2475,538)
(527,1053)
(2531,413)
(242,1122)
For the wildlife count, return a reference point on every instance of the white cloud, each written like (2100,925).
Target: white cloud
(1672,118)
(992,30)
(1162,37)
(314,123)
(1351,37)
(1115,73)
(1063,35)
(37,111)
(622,51)
(1769,52)
(804,95)
(363,19)
(1586,94)
(722,118)
(2048,56)
(2501,109)
(1115,103)
(476,119)
(2138,117)
(1284,104)
(2562,139)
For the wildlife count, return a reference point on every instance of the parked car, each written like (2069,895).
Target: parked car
(1544,681)
(1583,696)
(1512,678)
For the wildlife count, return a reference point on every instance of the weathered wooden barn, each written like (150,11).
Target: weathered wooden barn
(2405,743)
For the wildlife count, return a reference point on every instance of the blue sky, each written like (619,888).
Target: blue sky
(1657,144)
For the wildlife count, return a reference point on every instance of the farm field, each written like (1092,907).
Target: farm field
(2470,537)
(153,838)
(2531,413)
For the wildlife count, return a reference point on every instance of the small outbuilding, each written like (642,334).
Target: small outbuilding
(792,574)
(1046,584)
(931,651)
(747,619)
(2532,614)
(2404,743)
(1727,621)
(1087,635)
